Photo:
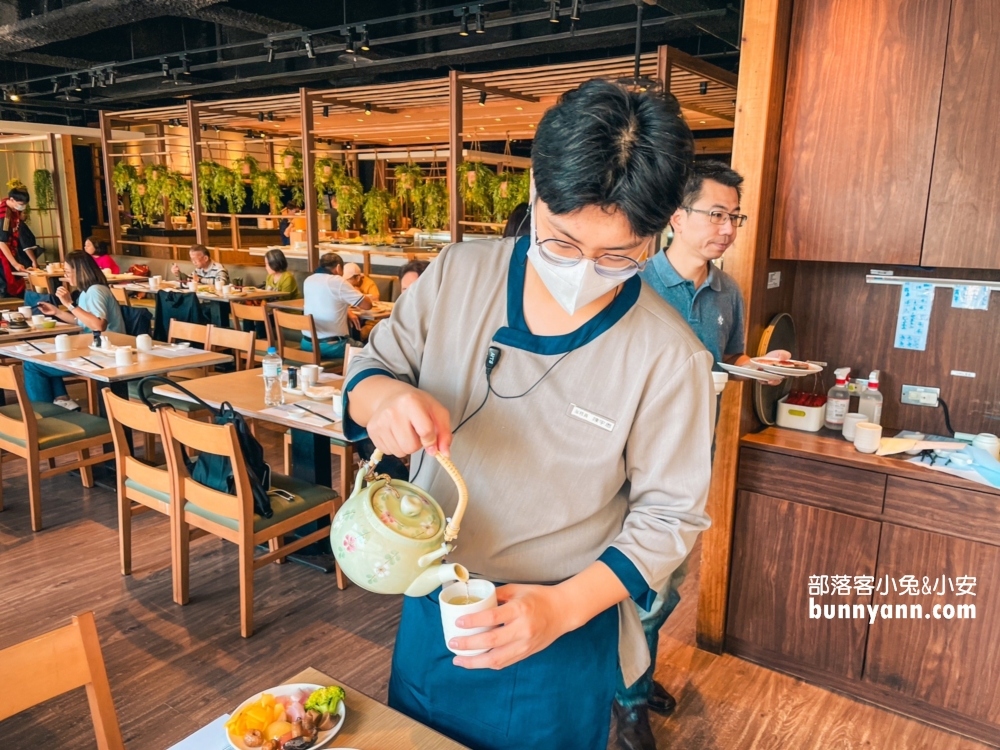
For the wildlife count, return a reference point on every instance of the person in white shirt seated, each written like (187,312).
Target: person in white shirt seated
(328,297)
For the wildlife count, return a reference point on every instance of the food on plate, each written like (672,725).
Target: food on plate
(287,722)
(792,364)
(801,398)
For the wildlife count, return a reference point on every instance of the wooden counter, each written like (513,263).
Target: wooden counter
(810,505)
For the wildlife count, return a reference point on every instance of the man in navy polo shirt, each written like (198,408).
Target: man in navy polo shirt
(711,302)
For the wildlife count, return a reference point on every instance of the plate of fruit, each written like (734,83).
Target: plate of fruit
(298,716)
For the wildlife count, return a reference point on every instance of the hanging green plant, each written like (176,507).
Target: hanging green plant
(179,193)
(430,205)
(123,177)
(376,210)
(327,175)
(350,197)
(206,185)
(227,185)
(475,183)
(509,191)
(248,166)
(409,177)
(265,186)
(45,196)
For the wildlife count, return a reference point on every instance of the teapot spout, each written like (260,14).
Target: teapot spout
(435,576)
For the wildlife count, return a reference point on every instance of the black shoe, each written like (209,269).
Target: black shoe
(633,730)
(661,701)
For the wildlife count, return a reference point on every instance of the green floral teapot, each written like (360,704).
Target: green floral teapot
(390,536)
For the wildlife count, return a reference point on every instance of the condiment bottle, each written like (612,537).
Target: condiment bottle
(838,401)
(870,401)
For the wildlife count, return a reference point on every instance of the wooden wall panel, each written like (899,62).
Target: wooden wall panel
(963,218)
(861,109)
(846,322)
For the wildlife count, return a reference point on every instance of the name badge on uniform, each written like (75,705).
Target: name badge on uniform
(590,418)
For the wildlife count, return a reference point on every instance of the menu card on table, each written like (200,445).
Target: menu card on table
(211,737)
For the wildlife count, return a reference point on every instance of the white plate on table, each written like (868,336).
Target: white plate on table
(747,372)
(788,372)
(285,690)
(109,352)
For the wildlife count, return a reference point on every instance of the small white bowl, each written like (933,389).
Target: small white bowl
(720,379)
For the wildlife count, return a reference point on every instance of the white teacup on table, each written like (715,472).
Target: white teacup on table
(37,320)
(26,311)
(867,437)
(144,342)
(309,376)
(154,282)
(63,343)
(123,356)
(460,599)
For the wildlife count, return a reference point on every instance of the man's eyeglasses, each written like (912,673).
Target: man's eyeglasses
(609,265)
(719,217)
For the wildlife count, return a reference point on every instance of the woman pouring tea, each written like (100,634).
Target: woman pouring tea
(582,413)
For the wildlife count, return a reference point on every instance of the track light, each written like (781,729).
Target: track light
(93,78)
(112,76)
(349,40)
(260,117)
(249,134)
(482,98)
(703,88)
(55,85)
(216,128)
(270,116)
(464,30)
(204,127)
(269,46)
(574,14)
(164,67)
(185,65)
(310,52)
(365,42)
(553,11)
(326,110)
(368,108)
(74,82)
(480,20)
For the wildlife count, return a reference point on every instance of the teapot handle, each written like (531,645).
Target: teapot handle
(451,531)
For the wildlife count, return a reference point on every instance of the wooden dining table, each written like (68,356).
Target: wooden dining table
(33,332)
(247,295)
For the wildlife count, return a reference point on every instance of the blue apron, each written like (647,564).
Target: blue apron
(558,698)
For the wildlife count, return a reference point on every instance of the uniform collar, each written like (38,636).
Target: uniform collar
(669,276)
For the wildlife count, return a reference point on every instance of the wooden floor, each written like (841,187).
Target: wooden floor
(174,669)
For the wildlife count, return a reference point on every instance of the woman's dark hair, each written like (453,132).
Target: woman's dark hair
(414,266)
(603,145)
(518,223)
(88,273)
(99,247)
(276,260)
(19,194)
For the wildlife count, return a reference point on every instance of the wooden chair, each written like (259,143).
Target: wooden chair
(231,517)
(302,324)
(141,486)
(254,314)
(238,343)
(193,333)
(45,667)
(39,282)
(121,296)
(35,432)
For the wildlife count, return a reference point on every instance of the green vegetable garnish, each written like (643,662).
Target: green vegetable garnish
(325,700)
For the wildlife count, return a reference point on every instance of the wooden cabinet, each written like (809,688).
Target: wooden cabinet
(963,217)
(776,551)
(857,143)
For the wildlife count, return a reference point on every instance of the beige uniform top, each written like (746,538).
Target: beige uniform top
(605,457)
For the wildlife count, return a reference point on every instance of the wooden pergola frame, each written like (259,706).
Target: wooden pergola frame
(500,105)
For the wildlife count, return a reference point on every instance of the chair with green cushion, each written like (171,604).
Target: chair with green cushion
(142,486)
(231,517)
(36,433)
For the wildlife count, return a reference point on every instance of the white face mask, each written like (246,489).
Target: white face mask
(573,287)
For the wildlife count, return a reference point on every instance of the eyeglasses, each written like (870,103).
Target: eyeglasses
(609,265)
(719,217)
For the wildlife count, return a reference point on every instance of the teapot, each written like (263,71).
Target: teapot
(390,537)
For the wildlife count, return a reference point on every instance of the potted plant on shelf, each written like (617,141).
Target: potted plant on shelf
(44,191)
(376,210)
(430,205)
(350,197)
(265,187)
(509,192)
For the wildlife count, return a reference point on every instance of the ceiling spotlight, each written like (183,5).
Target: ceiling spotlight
(249,134)
(93,78)
(703,88)
(164,67)
(464,30)
(216,128)
(270,116)
(310,52)
(74,82)
(365,42)
(6,93)
(185,65)
(574,14)
(480,20)
(348,40)
(260,117)
(553,11)
(482,98)
(326,110)
(368,108)
(55,85)
(112,76)
(269,46)
(204,127)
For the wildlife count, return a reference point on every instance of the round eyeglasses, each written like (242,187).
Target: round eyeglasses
(719,217)
(609,265)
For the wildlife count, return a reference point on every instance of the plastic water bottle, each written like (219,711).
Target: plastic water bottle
(273,395)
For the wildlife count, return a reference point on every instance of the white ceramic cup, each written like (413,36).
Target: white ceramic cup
(867,437)
(62,343)
(123,356)
(851,421)
(144,342)
(309,375)
(485,591)
(227,289)
(106,344)
(720,379)
(989,443)
(26,311)
(154,282)
(38,319)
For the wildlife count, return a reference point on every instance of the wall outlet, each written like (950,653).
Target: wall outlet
(920,395)
(774,279)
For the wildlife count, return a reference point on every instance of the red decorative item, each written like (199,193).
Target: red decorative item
(139,270)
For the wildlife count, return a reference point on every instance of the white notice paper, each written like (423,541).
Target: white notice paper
(173,351)
(914,318)
(971,297)
(212,737)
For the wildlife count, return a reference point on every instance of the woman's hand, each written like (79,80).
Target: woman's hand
(532,618)
(64,296)
(407,419)
(48,308)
